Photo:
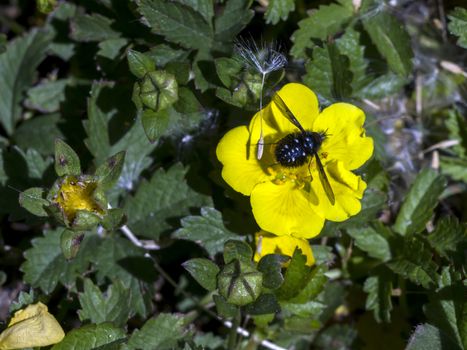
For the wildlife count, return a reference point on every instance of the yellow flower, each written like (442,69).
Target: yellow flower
(271,244)
(77,194)
(31,327)
(287,200)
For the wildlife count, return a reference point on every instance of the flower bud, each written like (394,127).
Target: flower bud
(240,283)
(158,90)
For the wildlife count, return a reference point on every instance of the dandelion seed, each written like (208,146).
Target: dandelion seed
(265,59)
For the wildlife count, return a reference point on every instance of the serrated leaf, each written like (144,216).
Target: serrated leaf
(415,262)
(324,22)
(96,126)
(33,201)
(379,290)
(349,45)
(204,7)
(369,239)
(161,332)
(296,277)
(204,271)
(17,72)
(118,259)
(328,73)
(91,337)
(47,96)
(93,27)
(419,203)
(178,23)
(448,236)
(457,126)
(271,267)
(234,17)
(428,337)
(458,25)
(111,306)
(45,265)
(279,10)
(391,40)
(23,299)
(237,250)
(208,230)
(165,198)
(456,168)
(111,48)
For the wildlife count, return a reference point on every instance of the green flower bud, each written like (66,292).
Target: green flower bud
(158,90)
(240,283)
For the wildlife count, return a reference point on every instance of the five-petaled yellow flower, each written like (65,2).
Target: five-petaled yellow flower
(292,200)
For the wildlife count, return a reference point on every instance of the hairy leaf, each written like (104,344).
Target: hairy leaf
(207,229)
(91,337)
(17,72)
(161,332)
(279,10)
(448,236)
(419,203)
(324,22)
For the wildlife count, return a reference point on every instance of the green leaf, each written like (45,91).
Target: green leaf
(296,277)
(237,250)
(204,7)
(18,71)
(265,304)
(314,285)
(279,10)
(448,236)
(166,197)
(23,299)
(233,19)
(118,259)
(91,337)
(428,337)
(324,22)
(207,229)
(457,126)
(458,25)
(110,171)
(415,262)
(204,271)
(92,28)
(456,168)
(419,203)
(47,96)
(97,141)
(271,267)
(111,306)
(45,265)
(33,201)
(308,309)
(379,290)
(155,123)
(140,64)
(391,40)
(328,73)
(369,239)
(224,309)
(349,45)
(31,133)
(382,86)
(66,159)
(162,332)
(111,48)
(178,23)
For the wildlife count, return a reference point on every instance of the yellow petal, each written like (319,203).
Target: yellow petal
(346,141)
(348,189)
(31,327)
(285,210)
(267,243)
(301,101)
(242,171)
